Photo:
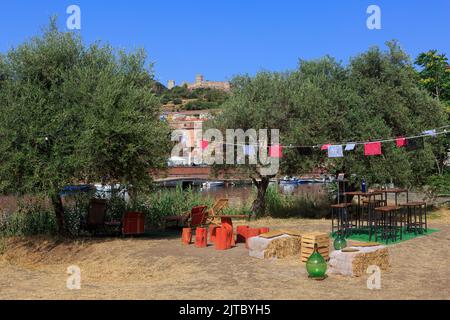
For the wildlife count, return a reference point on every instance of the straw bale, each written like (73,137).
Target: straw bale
(355,264)
(275,248)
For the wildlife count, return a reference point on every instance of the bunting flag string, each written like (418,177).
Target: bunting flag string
(350,146)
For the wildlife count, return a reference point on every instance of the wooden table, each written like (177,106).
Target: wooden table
(396,192)
(227,224)
(369,195)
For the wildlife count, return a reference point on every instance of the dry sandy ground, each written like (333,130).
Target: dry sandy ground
(161,268)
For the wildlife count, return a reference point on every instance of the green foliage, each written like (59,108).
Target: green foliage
(71,112)
(2,245)
(33,218)
(308,205)
(171,202)
(201,98)
(374,97)
(201,105)
(439,184)
(177,101)
(434,74)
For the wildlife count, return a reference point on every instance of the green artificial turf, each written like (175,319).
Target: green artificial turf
(364,237)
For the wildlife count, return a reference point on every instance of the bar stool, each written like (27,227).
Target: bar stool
(341,215)
(390,220)
(416,216)
(368,214)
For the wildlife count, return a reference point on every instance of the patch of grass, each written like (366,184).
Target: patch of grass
(279,205)
(2,245)
(33,217)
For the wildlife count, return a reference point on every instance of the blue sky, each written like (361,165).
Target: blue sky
(228,37)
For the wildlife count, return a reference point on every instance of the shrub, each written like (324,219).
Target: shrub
(34,217)
(439,184)
(279,205)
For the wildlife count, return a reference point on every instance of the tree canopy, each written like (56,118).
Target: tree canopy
(72,113)
(435,74)
(375,96)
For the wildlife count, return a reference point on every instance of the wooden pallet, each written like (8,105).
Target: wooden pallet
(309,241)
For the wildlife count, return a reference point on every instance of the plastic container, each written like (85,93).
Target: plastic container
(242,234)
(201,237)
(186,237)
(222,239)
(213,233)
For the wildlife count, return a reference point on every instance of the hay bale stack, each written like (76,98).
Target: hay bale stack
(355,264)
(279,247)
(283,248)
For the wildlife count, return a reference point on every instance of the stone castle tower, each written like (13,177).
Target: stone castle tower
(171,84)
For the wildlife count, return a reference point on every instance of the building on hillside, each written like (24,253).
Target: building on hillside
(201,83)
(190,124)
(171,84)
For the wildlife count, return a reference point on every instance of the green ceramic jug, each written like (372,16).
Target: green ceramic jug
(316,265)
(340,242)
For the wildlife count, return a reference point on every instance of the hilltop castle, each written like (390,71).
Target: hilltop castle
(201,83)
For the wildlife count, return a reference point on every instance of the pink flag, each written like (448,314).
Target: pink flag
(372,149)
(204,144)
(276,151)
(325,147)
(401,142)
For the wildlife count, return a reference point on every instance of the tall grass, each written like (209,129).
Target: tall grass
(34,217)
(305,205)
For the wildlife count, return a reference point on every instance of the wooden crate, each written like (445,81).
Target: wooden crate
(309,240)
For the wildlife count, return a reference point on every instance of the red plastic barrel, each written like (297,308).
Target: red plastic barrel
(212,233)
(242,233)
(186,238)
(250,234)
(222,239)
(201,236)
(264,230)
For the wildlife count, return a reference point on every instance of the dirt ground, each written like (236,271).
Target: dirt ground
(161,268)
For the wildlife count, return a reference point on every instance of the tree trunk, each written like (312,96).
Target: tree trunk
(259,205)
(59,213)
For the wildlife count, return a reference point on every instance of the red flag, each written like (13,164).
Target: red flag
(325,147)
(401,142)
(372,149)
(276,151)
(204,144)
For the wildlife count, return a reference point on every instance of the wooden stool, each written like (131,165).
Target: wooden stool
(369,213)
(388,218)
(416,216)
(340,213)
